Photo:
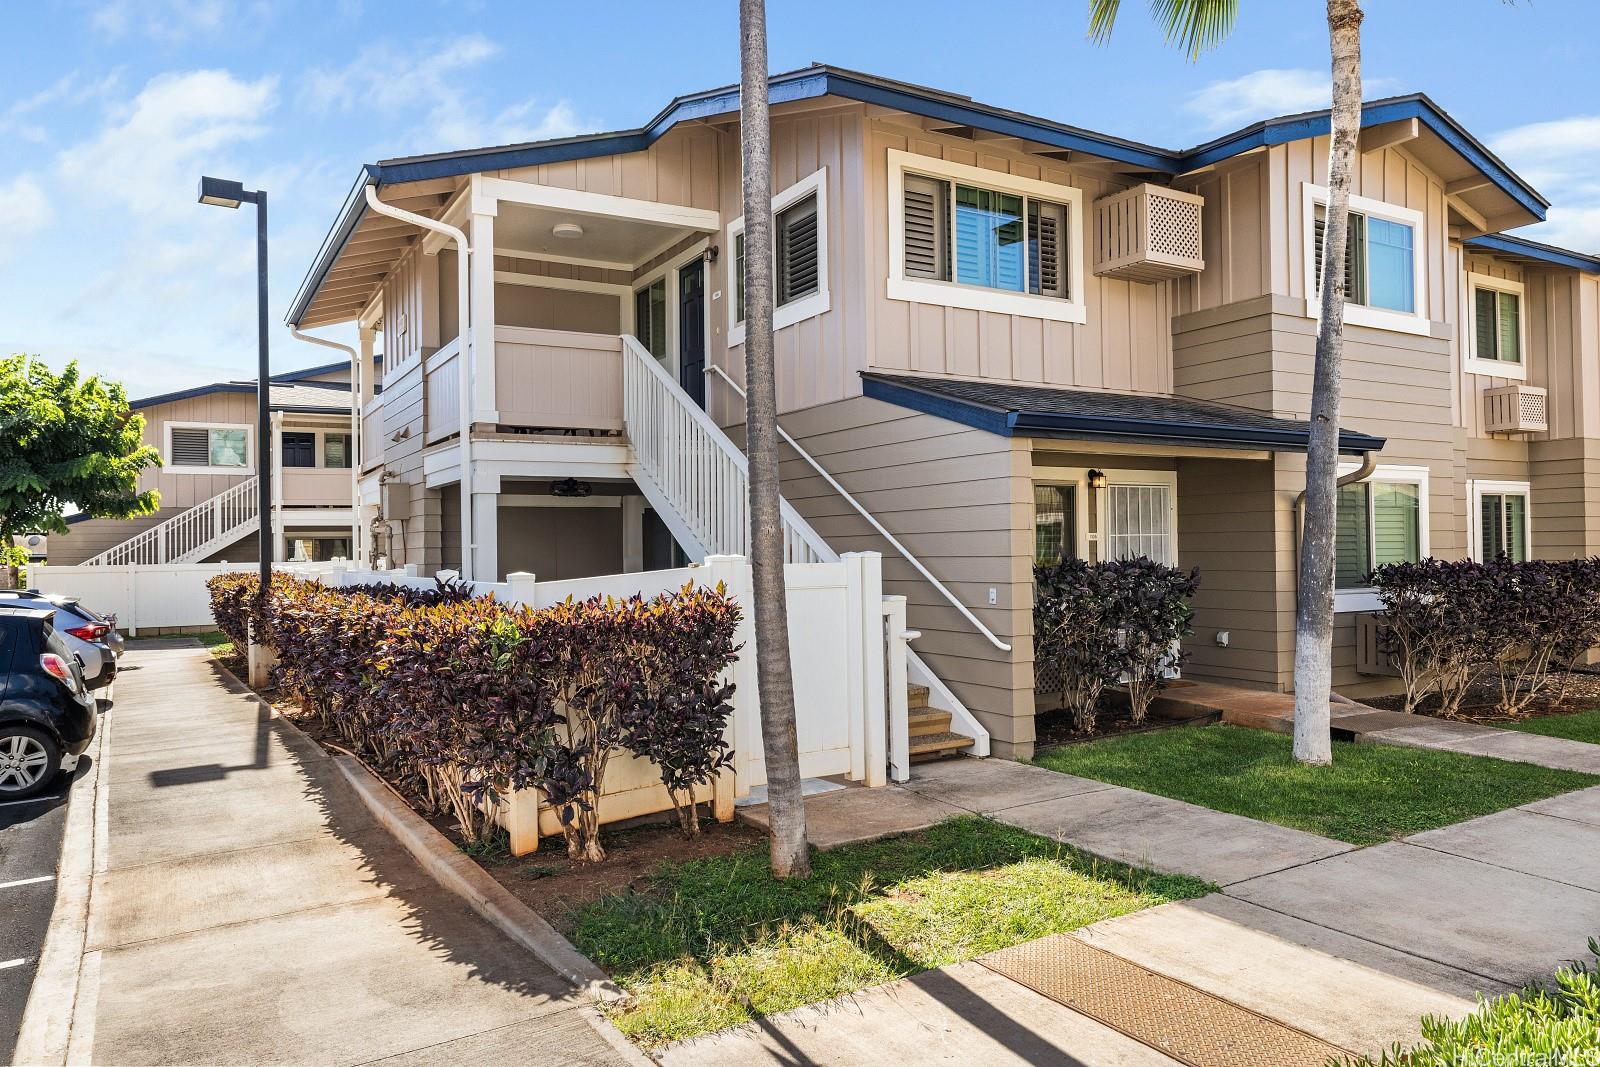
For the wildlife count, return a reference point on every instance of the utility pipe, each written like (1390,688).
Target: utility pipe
(466,331)
(356,371)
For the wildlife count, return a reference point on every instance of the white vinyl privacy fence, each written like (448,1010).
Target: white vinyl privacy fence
(154,598)
(847,645)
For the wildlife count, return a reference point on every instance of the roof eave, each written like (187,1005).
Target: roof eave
(1521,246)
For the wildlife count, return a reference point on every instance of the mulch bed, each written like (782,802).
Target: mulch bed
(547,881)
(1582,694)
(1057,728)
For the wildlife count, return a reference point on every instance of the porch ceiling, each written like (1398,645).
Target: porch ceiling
(1082,414)
(618,243)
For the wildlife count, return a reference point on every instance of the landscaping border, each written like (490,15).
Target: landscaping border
(453,870)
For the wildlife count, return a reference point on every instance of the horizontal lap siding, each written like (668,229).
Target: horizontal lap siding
(960,500)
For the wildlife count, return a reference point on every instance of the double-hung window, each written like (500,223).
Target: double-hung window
(1500,511)
(1381,520)
(1382,262)
(1495,344)
(799,257)
(966,237)
(336,450)
(208,449)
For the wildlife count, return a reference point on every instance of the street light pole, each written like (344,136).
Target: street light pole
(220,192)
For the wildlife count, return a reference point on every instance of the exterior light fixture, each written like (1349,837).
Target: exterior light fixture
(1097,479)
(569,230)
(220,192)
(571,487)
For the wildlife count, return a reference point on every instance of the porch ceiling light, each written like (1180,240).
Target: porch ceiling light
(1097,479)
(569,230)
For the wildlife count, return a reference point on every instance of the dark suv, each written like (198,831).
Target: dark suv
(47,716)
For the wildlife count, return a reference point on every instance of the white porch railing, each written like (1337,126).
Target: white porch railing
(697,480)
(190,535)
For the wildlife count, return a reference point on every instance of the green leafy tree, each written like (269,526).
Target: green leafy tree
(67,440)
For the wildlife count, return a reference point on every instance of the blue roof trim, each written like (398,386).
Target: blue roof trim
(1043,423)
(1376,113)
(1521,246)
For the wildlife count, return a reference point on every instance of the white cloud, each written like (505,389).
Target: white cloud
(1265,94)
(152,151)
(27,211)
(436,88)
(1560,158)
(167,21)
(23,118)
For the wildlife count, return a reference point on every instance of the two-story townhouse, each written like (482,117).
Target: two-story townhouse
(207,477)
(1000,339)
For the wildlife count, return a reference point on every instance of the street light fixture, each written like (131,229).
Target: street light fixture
(220,192)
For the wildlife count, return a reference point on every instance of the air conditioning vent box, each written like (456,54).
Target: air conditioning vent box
(1515,409)
(1148,233)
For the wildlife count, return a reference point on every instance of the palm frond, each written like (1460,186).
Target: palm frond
(1195,25)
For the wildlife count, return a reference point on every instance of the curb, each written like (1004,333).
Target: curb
(46,1029)
(457,873)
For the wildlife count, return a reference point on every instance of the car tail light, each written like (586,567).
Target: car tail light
(58,668)
(90,631)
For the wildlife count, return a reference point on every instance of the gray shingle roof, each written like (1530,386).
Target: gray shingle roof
(283,396)
(1038,411)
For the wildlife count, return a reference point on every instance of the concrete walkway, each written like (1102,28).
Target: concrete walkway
(1264,710)
(1352,946)
(247,909)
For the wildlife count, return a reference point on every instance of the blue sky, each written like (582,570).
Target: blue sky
(110,110)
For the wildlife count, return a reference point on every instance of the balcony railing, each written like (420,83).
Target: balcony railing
(310,487)
(557,379)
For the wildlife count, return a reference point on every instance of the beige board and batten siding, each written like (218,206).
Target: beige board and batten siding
(1125,344)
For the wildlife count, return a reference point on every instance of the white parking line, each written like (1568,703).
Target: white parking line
(8,964)
(28,881)
(30,800)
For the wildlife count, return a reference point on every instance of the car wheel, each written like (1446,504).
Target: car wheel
(29,761)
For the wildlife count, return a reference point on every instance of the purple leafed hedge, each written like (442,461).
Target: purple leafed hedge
(464,699)
(1450,623)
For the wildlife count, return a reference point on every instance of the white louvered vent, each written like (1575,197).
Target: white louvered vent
(927,231)
(1515,409)
(1148,233)
(190,447)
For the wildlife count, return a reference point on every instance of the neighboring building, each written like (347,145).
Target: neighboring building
(207,477)
(1007,338)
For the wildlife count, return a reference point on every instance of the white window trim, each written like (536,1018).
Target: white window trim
(245,471)
(1314,196)
(1091,542)
(978,298)
(669,271)
(1366,599)
(807,307)
(1495,367)
(1476,489)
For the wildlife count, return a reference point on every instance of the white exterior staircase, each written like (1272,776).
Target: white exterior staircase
(696,479)
(192,534)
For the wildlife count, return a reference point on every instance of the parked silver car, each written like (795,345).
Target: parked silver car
(84,632)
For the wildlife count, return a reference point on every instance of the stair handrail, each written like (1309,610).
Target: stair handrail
(894,542)
(796,525)
(130,550)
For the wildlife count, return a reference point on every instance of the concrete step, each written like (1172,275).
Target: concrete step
(937,746)
(928,721)
(916,697)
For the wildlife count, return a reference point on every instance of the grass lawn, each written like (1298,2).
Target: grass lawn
(1584,726)
(715,942)
(217,642)
(1372,793)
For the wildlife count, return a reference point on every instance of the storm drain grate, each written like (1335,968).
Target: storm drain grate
(1186,1023)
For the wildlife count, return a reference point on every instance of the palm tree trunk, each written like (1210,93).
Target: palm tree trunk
(1313,625)
(786,811)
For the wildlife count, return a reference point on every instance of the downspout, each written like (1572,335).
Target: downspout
(465,356)
(356,370)
(1369,463)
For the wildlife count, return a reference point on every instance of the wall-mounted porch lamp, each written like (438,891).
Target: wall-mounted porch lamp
(1097,479)
(219,192)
